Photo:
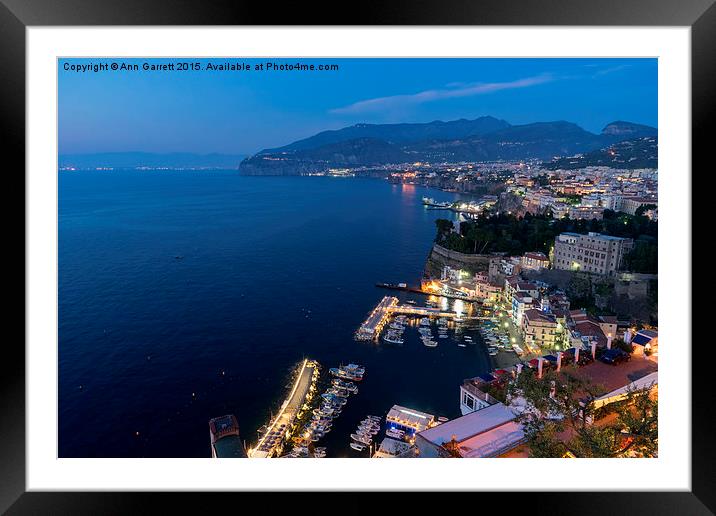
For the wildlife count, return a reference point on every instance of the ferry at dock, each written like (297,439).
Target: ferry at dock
(429,201)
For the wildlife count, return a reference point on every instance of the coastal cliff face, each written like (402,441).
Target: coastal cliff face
(439,257)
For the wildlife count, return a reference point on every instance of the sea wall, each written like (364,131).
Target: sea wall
(440,257)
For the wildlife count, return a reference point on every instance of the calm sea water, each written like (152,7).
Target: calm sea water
(189,295)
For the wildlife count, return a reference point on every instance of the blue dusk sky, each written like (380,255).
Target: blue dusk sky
(243,112)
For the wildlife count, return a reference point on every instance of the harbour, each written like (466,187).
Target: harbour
(389,307)
(281,427)
(225,288)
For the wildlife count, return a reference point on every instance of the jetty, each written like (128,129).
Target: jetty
(279,428)
(418,290)
(388,307)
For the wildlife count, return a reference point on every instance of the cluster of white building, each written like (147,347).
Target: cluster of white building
(599,189)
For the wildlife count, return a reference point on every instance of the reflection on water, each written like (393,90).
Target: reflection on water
(272,270)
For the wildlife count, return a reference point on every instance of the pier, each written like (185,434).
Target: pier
(388,306)
(418,290)
(271,442)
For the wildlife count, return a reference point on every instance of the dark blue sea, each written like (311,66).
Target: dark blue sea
(189,295)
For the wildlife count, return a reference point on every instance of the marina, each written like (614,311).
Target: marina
(470,207)
(271,443)
(388,307)
(332,401)
(243,368)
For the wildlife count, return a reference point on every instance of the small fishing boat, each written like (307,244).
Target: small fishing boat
(357,446)
(361,439)
(393,338)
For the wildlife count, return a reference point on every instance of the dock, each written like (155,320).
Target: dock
(388,307)
(279,429)
(418,290)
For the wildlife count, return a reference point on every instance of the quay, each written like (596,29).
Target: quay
(279,429)
(388,306)
(417,290)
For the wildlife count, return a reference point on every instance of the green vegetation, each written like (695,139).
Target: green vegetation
(573,199)
(644,257)
(553,425)
(503,233)
(542,179)
(643,209)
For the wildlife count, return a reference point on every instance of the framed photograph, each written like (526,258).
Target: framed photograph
(431,235)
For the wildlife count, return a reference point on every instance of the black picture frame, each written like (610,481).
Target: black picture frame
(17,15)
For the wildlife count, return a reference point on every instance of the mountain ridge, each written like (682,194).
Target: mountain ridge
(482,139)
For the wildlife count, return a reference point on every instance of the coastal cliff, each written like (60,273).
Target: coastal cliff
(439,257)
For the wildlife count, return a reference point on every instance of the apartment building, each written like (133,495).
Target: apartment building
(593,252)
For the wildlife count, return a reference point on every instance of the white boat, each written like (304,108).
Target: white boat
(353,369)
(393,339)
(461,345)
(358,447)
(430,343)
(361,439)
(424,321)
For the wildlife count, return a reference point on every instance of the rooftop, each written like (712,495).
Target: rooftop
(534,315)
(391,448)
(494,442)
(409,417)
(469,426)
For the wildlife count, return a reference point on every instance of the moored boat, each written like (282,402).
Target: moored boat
(361,439)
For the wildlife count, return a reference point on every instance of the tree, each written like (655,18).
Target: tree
(642,209)
(554,411)
(579,291)
(549,406)
(444,227)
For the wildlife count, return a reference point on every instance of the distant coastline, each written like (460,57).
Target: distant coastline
(149,161)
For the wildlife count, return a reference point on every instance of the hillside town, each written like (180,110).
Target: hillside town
(557,272)
(572,370)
